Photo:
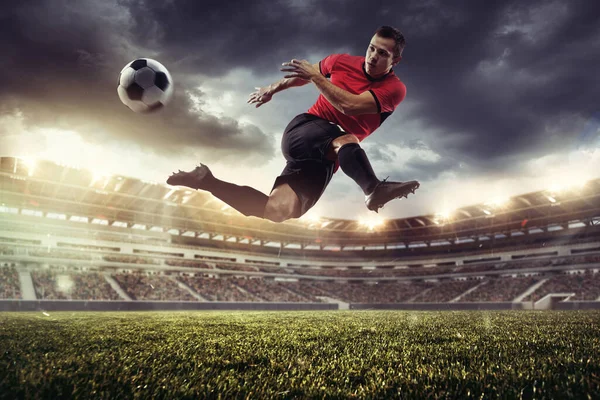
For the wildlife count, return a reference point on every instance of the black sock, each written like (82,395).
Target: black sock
(245,199)
(354,162)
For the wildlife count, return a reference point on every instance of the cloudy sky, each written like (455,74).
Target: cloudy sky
(503,97)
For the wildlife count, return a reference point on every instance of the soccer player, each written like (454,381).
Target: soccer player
(362,93)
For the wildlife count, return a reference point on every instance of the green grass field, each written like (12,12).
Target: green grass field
(335,354)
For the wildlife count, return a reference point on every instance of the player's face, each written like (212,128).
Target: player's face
(380,56)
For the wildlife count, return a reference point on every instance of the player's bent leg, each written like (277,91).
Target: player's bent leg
(340,141)
(354,163)
(283,204)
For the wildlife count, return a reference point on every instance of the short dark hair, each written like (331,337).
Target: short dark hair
(393,33)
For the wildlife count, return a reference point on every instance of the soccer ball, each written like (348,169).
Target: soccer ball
(145,85)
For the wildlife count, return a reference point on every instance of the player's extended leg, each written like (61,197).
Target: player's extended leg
(354,162)
(245,199)
(280,205)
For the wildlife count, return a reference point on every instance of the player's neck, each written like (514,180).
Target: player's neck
(375,77)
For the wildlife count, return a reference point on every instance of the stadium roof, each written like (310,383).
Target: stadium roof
(51,187)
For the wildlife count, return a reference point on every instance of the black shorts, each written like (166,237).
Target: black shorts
(304,145)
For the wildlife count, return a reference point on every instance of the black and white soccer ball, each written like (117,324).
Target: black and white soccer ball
(145,85)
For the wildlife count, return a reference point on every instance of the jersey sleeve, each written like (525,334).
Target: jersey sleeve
(326,65)
(388,96)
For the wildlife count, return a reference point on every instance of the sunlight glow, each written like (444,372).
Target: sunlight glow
(371,222)
(442,217)
(29,163)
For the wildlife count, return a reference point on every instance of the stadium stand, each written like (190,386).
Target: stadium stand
(268,290)
(236,267)
(217,289)
(501,289)
(58,284)
(388,292)
(121,241)
(445,291)
(9,283)
(584,284)
(140,286)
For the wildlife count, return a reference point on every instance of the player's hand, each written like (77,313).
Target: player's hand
(261,96)
(300,69)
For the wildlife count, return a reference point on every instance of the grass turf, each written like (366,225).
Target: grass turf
(336,354)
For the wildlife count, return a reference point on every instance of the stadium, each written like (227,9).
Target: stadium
(68,235)
(72,241)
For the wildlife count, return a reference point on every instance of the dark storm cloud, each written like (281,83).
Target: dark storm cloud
(500,80)
(496,78)
(425,170)
(62,69)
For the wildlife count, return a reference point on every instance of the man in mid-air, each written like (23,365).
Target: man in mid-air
(362,93)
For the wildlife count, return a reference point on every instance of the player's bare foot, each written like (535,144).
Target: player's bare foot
(386,191)
(199,178)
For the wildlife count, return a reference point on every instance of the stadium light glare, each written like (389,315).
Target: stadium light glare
(310,219)
(486,212)
(570,182)
(497,202)
(99,175)
(556,188)
(29,164)
(551,199)
(64,283)
(371,222)
(441,217)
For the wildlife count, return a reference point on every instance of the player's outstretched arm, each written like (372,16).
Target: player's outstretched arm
(345,102)
(264,94)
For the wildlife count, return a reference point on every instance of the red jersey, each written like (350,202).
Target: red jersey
(348,72)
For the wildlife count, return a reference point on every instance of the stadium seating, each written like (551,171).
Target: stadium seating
(217,289)
(57,284)
(585,286)
(501,289)
(68,282)
(140,286)
(9,283)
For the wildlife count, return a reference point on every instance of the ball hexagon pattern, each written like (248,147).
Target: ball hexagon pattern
(145,85)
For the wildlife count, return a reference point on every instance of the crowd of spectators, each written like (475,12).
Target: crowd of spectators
(373,272)
(10,287)
(187,263)
(445,291)
(122,258)
(268,290)
(274,270)
(69,285)
(478,267)
(92,286)
(381,292)
(46,286)
(585,285)
(216,289)
(305,289)
(140,286)
(52,253)
(237,267)
(56,285)
(501,289)
(5,250)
